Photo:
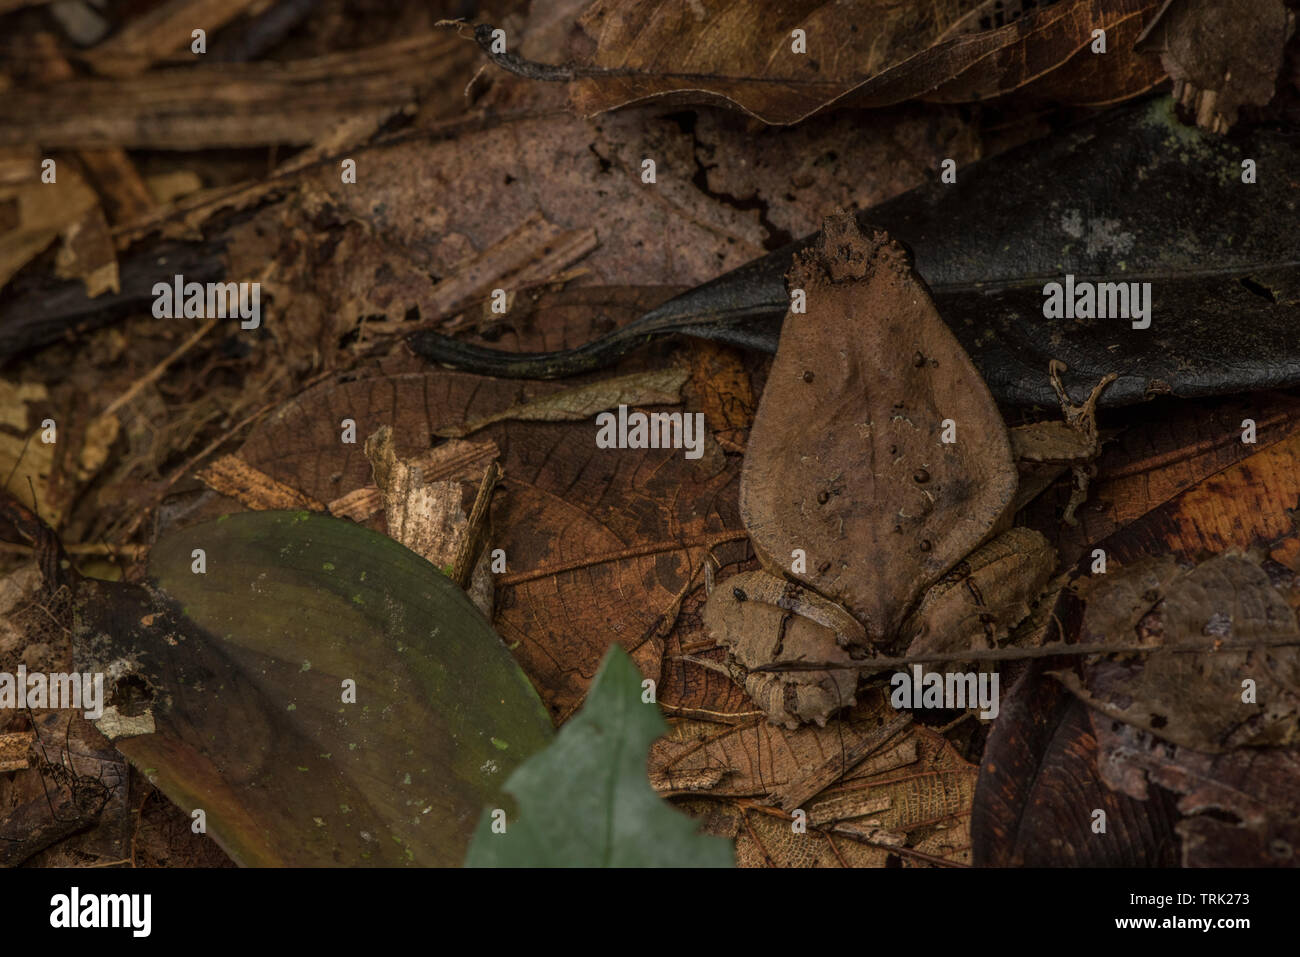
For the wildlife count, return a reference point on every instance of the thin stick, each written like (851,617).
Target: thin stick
(471,545)
(154,374)
(651,548)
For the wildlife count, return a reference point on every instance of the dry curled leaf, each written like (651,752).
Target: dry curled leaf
(889,791)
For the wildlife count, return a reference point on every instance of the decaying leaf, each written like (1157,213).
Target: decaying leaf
(28,466)
(879,505)
(870,54)
(600,544)
(1239,807)
(1039,788)
(565,821)
(13,750)
(1212,701)
(872,785)
(43,211)
(1165,449)
(277,688)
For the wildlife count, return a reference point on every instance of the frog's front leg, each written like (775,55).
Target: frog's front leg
(985,596)
(802,601)
(763,620)
(1044,449)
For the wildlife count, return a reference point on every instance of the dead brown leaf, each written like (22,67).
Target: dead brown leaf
(600,545)
(1213,701)
(871,54)
(1238,807)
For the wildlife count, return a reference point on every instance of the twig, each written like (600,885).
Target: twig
(154,374)
(651,548)
(471,543)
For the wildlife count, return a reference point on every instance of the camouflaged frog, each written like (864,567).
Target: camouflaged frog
(878,488)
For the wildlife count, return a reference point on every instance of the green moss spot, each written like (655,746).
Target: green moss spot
(499,744)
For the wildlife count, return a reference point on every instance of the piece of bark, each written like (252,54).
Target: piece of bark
(109,170)
(226,106)
(13,750)
(428,518)
(233,477)
(454,460)
(164,30)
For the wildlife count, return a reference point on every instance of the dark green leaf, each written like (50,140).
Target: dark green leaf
(586,800)
(242,670)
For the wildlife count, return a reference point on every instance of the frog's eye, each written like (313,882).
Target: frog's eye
(740,594)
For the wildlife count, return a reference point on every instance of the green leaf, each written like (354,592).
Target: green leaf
(243,671)
(586,800)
